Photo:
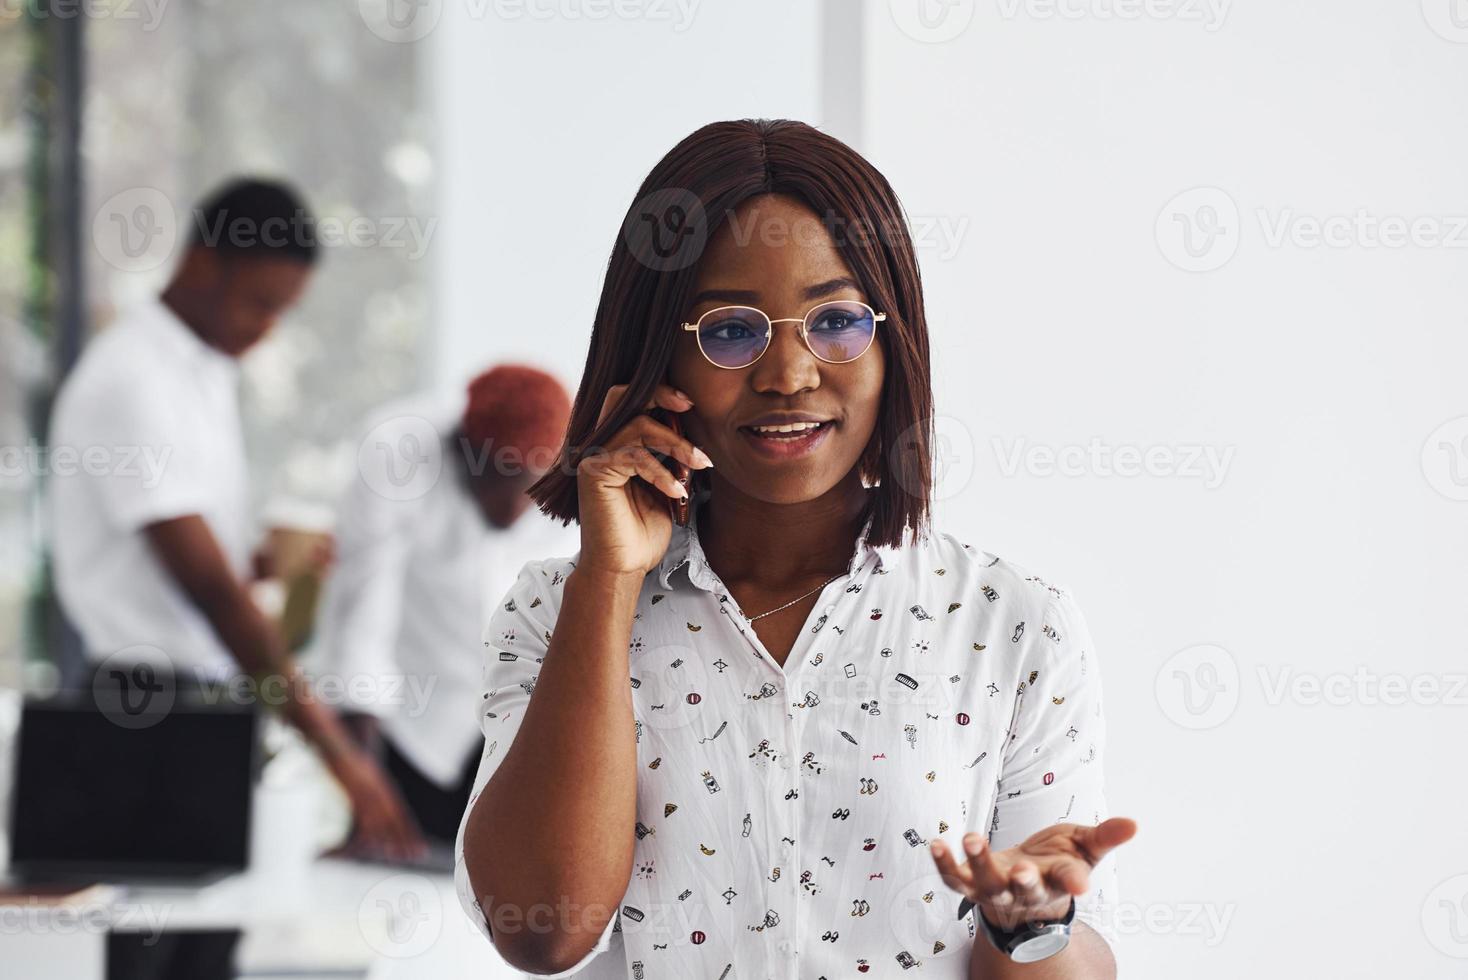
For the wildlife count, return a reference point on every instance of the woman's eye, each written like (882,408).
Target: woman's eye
(835,321)
(728,330)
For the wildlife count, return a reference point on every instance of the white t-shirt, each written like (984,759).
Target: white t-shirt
(784,813)
(417,570)
(146,428)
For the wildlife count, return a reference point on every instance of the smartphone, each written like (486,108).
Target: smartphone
(677,509)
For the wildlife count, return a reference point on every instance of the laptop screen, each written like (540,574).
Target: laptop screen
(92,797)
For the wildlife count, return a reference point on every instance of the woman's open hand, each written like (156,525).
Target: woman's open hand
(1037,878)
(625,526)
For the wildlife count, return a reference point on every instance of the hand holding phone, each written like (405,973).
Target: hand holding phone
(677,509)
(621,526)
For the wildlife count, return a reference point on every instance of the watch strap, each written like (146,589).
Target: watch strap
(1007,939)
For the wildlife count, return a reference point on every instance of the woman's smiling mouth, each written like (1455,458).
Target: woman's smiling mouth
(787,440)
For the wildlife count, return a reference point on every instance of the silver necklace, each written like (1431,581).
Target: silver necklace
(797,598)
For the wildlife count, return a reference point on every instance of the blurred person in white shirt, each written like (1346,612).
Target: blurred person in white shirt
(153,549)
(427,538)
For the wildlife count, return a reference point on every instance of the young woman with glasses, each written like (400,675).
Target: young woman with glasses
(803,734)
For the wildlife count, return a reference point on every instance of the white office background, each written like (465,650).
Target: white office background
(1197,282)
(1197,274)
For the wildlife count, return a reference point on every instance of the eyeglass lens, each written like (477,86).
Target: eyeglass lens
(735,336)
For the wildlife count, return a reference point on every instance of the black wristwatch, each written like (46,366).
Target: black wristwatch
(1030,941)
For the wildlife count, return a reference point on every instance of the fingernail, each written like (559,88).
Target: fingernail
(702,457)
(682,394)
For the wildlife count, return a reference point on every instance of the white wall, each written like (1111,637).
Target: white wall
(1038,153)
(1056,142)
(548,127)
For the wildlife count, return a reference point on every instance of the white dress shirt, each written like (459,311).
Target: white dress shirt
(415,576)
(146,428)
(784,814)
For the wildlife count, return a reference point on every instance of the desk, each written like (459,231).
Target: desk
(300,917)
(339,919)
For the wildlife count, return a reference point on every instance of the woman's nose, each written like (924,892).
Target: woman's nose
(787,366)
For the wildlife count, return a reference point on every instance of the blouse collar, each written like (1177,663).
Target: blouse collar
(684,548)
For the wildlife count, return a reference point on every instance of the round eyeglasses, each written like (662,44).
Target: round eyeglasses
(735,336)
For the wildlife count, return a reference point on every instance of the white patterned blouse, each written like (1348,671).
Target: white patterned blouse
(784,814)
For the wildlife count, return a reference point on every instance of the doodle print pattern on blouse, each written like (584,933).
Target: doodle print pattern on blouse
(784,814)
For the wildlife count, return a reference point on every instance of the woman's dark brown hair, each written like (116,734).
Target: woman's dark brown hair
(684,201)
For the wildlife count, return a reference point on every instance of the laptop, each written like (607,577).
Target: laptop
(437,859)
(160,804)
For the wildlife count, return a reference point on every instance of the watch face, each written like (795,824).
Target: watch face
(1048,943)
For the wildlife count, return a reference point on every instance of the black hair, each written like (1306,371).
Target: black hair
(249,216)
(695,189)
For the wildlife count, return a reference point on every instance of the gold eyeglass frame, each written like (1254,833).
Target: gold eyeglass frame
(770,336)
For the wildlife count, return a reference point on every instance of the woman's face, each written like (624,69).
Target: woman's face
(776,255)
